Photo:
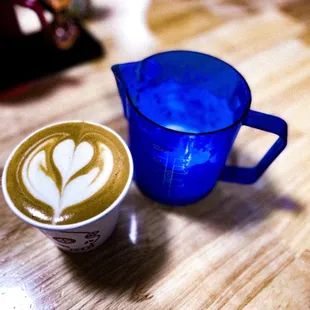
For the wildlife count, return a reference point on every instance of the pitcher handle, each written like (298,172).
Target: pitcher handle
(265,122)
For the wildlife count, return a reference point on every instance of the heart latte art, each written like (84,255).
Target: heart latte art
(67,173)
(68,159)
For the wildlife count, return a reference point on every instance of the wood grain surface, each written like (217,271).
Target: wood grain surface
(242,247)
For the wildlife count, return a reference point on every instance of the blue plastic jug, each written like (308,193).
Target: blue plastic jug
(185,110)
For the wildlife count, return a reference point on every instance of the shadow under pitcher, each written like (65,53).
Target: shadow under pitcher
(184,111)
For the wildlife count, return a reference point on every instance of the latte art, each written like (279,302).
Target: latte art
(67,173)
(69,159)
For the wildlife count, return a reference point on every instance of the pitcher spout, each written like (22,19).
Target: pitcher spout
(125,76)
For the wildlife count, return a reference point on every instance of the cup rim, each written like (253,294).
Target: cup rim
(66,227)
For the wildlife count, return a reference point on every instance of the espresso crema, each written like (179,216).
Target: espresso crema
(67,173)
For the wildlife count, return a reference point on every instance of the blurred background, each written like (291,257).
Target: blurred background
(244,244)
(136,26)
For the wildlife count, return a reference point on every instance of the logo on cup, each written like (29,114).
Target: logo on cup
(64,240)
(91,239)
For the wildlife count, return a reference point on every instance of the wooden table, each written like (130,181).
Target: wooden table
(241,247)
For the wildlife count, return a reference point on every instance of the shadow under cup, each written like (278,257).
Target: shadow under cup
(85,235)
(185,110)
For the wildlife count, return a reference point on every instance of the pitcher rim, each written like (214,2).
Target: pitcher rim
(240,119)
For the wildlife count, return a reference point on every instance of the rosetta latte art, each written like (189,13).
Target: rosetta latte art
(69,159)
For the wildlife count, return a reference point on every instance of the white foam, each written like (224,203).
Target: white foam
(69,159)
(38,183)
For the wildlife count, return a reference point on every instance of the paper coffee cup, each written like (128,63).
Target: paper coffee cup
(82,236)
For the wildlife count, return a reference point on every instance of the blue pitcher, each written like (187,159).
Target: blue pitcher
(185,110)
